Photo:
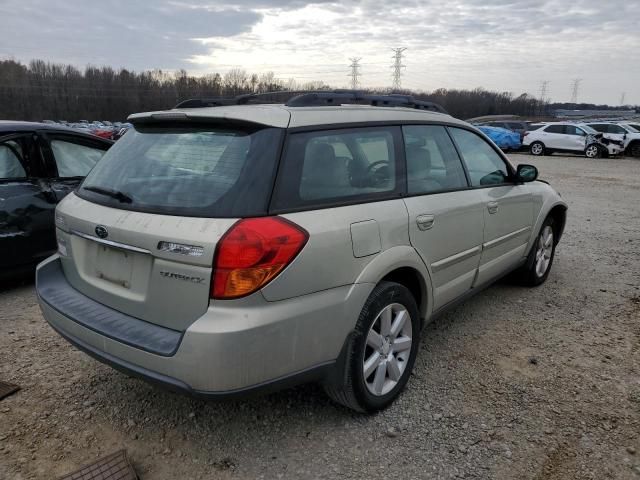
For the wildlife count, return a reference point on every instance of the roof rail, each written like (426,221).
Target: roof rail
(305,98)
(339,97)
(205,102)
(238,99)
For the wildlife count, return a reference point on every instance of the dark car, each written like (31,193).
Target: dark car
(39,165)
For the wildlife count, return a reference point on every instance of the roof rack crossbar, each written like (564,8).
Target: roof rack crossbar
(305,98)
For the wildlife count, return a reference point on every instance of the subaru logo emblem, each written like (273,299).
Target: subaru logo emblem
(101,231)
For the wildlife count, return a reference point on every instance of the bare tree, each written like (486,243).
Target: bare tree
(44,90)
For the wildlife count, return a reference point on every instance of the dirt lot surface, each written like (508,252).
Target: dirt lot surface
(516,383)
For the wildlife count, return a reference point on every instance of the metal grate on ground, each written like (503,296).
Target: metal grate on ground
(7,389)
(112,467)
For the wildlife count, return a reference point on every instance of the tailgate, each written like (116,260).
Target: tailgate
(133,268)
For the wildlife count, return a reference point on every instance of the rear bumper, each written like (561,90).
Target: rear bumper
(236,347)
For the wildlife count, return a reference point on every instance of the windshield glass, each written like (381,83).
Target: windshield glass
(633,127)
(208,172)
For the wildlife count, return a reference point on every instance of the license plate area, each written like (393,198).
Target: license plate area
(114,265)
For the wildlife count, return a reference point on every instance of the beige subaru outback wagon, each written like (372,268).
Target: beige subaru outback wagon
(225,249)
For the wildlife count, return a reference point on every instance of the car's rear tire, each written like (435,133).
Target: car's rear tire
(382,350)
(537,149)
(538,265)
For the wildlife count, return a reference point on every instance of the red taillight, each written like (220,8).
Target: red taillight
(252,253)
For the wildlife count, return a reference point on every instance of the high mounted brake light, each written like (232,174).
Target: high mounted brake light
(252,253)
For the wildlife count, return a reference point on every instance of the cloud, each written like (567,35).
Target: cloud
(509,45)
(135,34)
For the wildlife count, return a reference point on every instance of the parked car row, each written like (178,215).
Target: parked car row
(593,139)
(518,126)
(103,129)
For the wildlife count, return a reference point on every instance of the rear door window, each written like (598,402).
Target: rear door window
(555,129)
(75,157)
(433,164)
(483,163)
(203,171)
(10,161)
(331,167)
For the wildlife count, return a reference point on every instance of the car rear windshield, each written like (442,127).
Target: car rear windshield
(187,171)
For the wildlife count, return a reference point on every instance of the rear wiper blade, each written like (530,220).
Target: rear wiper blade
(120,196)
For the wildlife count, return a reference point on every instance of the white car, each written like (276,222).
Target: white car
(622,132)
(634,124)
(571,138)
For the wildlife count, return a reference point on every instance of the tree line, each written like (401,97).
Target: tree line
(43,90)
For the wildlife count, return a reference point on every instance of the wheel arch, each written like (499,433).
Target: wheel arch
(555,207)
(412,280)
(633,143)
(403,265)
(559,215)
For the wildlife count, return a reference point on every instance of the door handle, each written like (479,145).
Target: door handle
(492,207)
(425,222)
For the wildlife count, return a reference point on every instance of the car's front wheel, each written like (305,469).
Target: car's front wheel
(592,151)
(538,265)
(537,148)
(382,350)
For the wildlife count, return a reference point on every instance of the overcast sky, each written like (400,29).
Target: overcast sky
(506,45)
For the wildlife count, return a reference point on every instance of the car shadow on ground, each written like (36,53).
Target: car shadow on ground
(16,281)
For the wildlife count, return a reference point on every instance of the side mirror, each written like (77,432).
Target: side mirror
(526,173)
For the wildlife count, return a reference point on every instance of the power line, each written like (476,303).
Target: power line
(355,72)
(575,87)
(397,68)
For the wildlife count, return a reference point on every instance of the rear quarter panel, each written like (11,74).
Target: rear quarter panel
(328,259)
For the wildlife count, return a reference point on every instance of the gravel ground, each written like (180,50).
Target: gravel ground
(516,383)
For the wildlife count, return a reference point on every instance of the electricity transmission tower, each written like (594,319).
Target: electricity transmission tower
(397,68)
(575,87)
(543,95)
(622,97)
(355,72)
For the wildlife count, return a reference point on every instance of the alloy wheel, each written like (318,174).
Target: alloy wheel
(544,251)
(387,350)
(592,151)
(536,149)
